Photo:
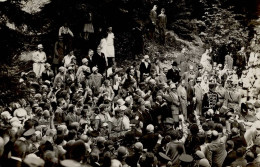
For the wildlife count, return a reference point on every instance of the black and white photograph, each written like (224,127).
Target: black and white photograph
(129,83)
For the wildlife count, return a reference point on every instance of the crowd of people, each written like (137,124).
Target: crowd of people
(91,112)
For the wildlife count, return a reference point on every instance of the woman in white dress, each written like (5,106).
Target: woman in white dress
(103,46)
(110,46)
(39,59)
(205,60)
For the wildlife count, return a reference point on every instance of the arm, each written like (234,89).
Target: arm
(60,30)
(55,49)
(184,130)
(70,32)
(44,58)
(208,155)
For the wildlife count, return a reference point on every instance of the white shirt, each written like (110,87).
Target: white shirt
(39,57)
(67,60)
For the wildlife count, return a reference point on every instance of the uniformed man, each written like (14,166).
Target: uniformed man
(210,99)
(221,91)
(233,97)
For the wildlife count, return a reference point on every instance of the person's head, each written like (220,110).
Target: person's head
(62,103)
(107,82)
(40,47)
(109,29)
(249,157)
(162,10)
(155,7)
(19,149)
(95,70)
(191,81)
(240,152)
(146,58)
(150,128)
(99,50)
(90,52)
(78,150)
(183,82)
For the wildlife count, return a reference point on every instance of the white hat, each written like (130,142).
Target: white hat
(146,57)
(172,86)
(120,102)
(123,107)
(14,119)
(20,113)
(150,128)
(94,69)
(6,114)
(62,69)
(40,46)
(85,60)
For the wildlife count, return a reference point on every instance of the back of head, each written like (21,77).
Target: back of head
(240,152)
(18,149)
(249,157)
(78,150)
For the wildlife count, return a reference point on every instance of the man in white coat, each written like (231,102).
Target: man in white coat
(39,59)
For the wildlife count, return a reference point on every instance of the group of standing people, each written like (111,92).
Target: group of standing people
(157,24)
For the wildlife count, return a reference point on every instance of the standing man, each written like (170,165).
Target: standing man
(210,99)
(182,93)
(59,52)
(153,18)
(173,99)
(173,74)
(91,59)
(145,67)
(199,96)
(39,59)
(162,21)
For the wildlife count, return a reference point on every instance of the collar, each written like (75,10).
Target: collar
(16,158)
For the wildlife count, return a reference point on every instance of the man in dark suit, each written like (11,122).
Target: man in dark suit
(17,154)
(150,139)
(99,60)
(145,67)
(91,59)
(173,74)
(153,19)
